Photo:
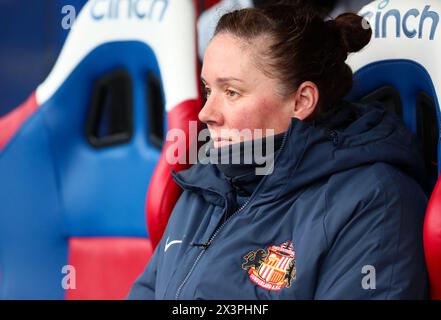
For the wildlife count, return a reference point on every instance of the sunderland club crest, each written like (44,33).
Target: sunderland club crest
(272,268)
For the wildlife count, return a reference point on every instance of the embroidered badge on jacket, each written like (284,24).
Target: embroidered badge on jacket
(272,268)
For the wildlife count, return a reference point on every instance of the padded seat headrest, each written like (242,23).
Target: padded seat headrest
(158,23)
(403,30)
(399,66)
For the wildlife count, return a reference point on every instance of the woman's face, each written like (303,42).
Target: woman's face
(239,95)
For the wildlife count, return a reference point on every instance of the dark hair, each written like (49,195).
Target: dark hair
(303,47)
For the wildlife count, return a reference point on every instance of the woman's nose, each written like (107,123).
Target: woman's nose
(210,113)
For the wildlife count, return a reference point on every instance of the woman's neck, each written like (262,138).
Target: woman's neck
(241,173)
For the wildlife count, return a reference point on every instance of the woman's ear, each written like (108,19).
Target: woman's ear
(305,100)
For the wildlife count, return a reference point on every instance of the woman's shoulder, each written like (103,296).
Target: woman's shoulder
(377,189)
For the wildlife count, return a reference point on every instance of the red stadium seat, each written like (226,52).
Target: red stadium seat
(163,191)
(432,241)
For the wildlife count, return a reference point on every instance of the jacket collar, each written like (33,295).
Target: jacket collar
(355,135)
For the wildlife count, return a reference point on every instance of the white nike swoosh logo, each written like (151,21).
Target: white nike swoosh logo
(168,244)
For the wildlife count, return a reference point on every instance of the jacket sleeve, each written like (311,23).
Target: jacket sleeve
(377,251)
(144,286)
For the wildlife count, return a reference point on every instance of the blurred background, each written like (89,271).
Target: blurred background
(31,39)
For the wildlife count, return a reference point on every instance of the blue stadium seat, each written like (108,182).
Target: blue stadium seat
(77,157)
(399,68)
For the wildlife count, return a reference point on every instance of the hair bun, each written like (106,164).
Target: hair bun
(354,30)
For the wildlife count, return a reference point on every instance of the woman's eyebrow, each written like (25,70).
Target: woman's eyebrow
(223,80)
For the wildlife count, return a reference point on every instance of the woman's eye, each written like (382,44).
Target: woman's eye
(232,93)
(207,92)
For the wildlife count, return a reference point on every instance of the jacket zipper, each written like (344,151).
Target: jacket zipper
(205,246)
(209,242)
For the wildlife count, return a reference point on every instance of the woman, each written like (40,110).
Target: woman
(340,215)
